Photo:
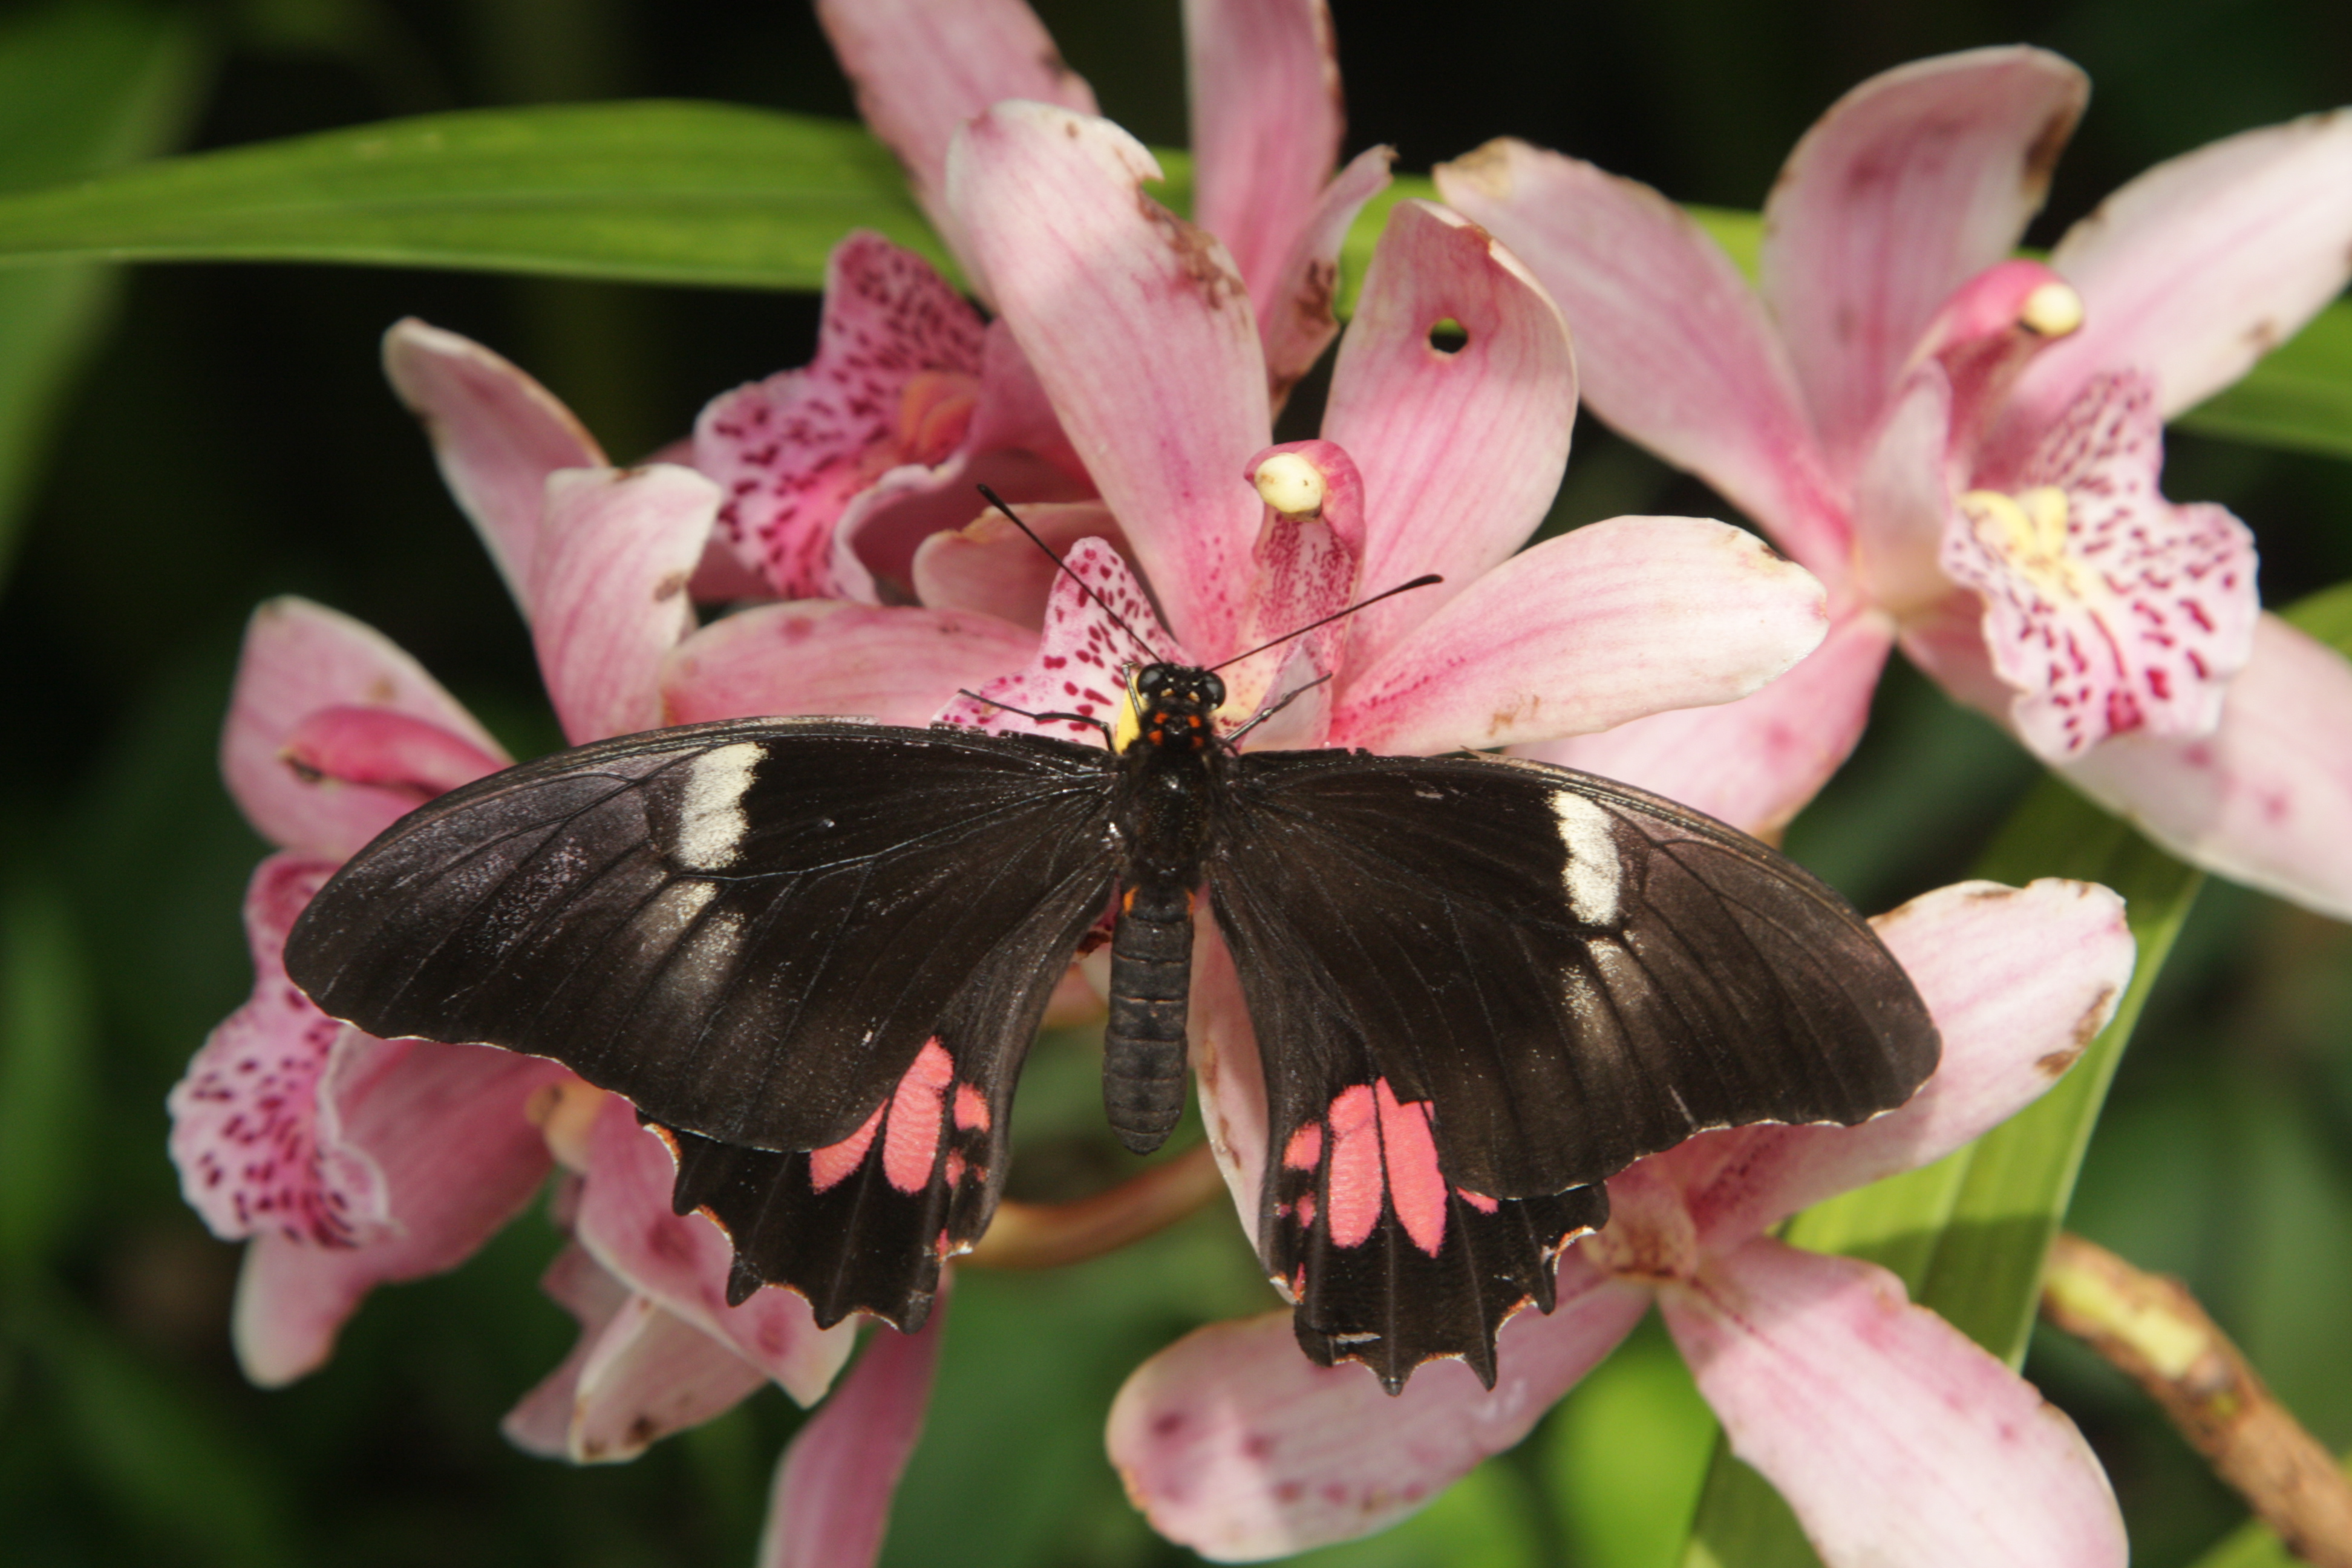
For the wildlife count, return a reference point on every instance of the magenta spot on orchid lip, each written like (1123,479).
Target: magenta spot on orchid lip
(1168,1423)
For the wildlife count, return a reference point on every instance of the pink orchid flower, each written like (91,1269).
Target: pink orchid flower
(1894,1437)
(1967,449)
(836,471)
(349,1160)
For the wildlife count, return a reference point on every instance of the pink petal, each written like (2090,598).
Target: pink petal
(1608,623)
(1893,1438)
(1903,497)
(1304,569)
(2202,265)
(379,748)
(2131,613)
(885,525)
(1085,267)
(831,1500)
(257,1151)
(609,591)
(1234,1444)
(495,432)
(1266,123)
(894,381)
(1295,315)
(2267,799)
(648,1374)
(681,1261)
(446,1126)
(923,67)
(2019,980)
(1222,1048)
(899,664)
(540,1422)
(299,658)
(1673,347)
(1461,451)
(1077,664)
(1911,183)
(1754,763)
(992,567)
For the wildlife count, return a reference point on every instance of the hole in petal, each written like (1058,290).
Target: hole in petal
(1448,336)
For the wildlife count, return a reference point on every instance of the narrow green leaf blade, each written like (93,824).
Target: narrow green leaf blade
(654,192)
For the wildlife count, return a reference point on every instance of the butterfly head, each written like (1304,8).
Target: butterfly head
(1170,707)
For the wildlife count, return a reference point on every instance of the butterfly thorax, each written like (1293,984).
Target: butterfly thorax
(1168,757)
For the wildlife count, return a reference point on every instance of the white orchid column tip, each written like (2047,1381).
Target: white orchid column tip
(2053,310)
(1291,484)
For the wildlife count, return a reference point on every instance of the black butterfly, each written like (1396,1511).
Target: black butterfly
(815,951)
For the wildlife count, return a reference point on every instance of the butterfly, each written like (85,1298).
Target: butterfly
(813,953)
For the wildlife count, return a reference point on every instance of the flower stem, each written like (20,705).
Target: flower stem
(1047,1236)
(2151,1328)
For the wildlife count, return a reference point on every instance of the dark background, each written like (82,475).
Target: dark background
(234,440)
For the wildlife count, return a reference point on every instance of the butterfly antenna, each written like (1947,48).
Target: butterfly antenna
(1429,580)
(1084,586)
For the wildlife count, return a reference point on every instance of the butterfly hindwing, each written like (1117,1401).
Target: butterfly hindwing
(1542,975)
(750,928)
(864,1223)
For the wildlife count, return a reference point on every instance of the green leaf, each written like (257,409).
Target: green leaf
(47,1033)
(171,1460)
(654,192)
(82,86)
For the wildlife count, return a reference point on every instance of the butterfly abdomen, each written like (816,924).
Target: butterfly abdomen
(1143,1044)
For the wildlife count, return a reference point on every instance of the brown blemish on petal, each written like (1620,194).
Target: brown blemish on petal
(1986,895)
(1196,253)
(2262,336)
(1488,167)
(2054,1064)
(2095,1017)
(2042,155)
(670,587)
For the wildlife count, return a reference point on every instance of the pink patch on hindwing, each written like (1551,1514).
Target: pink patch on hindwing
(910,1144)
(1382,1155)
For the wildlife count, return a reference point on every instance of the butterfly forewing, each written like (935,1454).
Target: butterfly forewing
(750,928)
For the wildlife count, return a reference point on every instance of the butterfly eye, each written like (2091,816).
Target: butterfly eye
(1213,691)
(1152,678)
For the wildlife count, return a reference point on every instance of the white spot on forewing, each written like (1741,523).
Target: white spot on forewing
(1593,872)
(711,821)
